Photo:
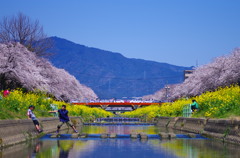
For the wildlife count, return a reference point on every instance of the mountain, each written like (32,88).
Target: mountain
(20,68)
(111,75)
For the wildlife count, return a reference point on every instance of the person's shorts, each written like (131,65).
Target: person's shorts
(35,122)
(194,108)
(69,123)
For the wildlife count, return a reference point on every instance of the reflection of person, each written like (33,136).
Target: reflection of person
(194,105)
(32,116)
(63,117)
(64,148)
(36,149)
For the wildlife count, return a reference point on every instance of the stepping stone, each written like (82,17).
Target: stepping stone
(134,136)
(113,135)
(192,135)
(83,135)
(104,135)
(143,136)
(75,135)
(164,135)
(172,135)
(55,136)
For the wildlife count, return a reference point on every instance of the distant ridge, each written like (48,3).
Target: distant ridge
(111,75)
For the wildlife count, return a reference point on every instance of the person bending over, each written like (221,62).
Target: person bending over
(63,118)
(194,106)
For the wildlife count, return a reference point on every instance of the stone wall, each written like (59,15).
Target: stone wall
(224,129)
(17,131)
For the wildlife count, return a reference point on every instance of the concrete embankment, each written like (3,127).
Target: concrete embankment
(17,131)
(226,130)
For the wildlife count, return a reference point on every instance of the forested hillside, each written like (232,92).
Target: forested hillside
(111,75)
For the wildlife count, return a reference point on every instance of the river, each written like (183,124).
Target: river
(66,147)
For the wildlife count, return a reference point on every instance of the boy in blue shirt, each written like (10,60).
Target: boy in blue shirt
(63,118)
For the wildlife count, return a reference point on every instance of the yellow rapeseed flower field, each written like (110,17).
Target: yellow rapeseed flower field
(222,103)
(16,104)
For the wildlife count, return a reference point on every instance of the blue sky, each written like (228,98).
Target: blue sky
(178,32)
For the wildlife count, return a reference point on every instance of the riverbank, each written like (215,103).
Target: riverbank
(226,130)
(129,138)
(16,131)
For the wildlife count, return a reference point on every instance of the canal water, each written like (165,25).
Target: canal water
(47,147)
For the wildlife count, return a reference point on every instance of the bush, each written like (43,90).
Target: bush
(225,102)
(222,103)
(165,109)
(88,114)
(15,106)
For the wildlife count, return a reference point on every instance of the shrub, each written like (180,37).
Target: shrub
(222,103)
(16,104)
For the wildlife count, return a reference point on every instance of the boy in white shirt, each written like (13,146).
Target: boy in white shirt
(32,116)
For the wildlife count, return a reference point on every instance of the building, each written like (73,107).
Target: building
(187,73)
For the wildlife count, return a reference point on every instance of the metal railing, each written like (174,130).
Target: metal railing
(187,111)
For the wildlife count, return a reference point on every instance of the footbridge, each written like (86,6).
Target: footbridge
(116,106)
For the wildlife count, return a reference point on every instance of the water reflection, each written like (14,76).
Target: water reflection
(188,148)
(36,149)
(122,129)
(107,148)
(128,148)
(121,148)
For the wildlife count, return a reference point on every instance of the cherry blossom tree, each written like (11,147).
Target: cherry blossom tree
(223,71)
(20,68)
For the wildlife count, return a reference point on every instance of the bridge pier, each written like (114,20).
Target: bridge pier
(104,106)
(135,107)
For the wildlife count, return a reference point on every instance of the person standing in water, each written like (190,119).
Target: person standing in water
(63,118)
